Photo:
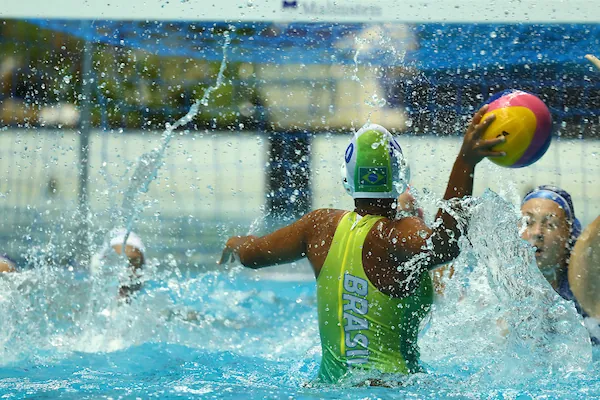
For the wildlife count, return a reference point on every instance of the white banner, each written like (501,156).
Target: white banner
(484,11)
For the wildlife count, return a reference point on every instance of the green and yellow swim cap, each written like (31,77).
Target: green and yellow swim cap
(374,166)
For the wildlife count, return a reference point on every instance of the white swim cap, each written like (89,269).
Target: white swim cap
(114,238)
(374,166)
(117,237)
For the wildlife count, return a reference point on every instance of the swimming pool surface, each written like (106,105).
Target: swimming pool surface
(499,331)
(220,335)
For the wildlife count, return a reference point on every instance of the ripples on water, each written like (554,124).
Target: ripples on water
(500,331)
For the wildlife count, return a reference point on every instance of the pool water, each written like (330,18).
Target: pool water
(499,331)
(226,335)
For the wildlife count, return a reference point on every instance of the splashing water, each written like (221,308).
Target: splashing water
(50,309)
(498,312)
(356,53)
(231,336)
(376,101)
(150,163)
(541,324)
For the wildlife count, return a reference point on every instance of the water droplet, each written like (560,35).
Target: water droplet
(376,101)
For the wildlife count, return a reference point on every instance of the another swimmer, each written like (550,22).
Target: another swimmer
(134,252)
(570,262)
(372,270)
(550,226)
(7,264)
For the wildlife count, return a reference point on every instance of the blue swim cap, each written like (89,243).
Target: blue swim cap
(560,197)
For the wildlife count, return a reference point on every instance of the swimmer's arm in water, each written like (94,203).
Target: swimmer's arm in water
(414,235)
(282,246)
(594,60)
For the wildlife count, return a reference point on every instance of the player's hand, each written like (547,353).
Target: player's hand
(594,60)
(232,247)
(474,148)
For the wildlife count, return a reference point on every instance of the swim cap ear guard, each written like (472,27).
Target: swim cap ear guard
(374,165)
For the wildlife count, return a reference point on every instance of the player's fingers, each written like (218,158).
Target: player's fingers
(482,126)
(594,60)
(493,154)
(488,144)
(225,256)
(480,113)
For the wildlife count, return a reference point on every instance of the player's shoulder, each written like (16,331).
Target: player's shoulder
(408,224)
(324,215)
(406,234)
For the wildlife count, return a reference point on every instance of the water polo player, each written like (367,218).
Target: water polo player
(372,270)
(570,265)
(550,226)
(133,249)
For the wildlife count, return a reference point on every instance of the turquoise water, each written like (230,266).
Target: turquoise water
(251,338)
(499,331)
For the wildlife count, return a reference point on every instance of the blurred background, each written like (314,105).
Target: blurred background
(84,106)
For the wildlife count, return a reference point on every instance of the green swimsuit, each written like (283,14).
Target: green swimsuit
(361,327)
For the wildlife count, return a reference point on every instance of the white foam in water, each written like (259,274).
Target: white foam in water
(499,313)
